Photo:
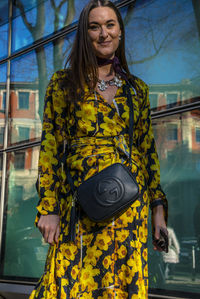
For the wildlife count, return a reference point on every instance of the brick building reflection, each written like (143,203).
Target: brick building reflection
(181,128)
(24,120)
(25,123)
(178,145)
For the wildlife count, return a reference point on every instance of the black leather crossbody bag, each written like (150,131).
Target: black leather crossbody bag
(110,191)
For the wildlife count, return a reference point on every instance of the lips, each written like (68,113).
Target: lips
(105,43)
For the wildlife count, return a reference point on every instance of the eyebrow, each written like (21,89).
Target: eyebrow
(93,22)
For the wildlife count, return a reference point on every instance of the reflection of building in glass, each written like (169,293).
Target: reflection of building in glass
(2,111)
(178,144)
(21,193)
(164,96)
(184,130)
(25,123)
(178,131)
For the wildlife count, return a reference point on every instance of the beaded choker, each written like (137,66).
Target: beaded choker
(103,85)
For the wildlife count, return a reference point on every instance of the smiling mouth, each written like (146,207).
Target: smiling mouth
(104,43)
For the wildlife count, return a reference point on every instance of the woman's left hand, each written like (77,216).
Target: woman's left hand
(158,223)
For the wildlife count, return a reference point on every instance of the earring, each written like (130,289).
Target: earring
(120,37)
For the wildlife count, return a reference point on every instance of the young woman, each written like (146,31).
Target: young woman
(85,129)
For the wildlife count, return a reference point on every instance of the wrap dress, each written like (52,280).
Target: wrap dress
(108,259)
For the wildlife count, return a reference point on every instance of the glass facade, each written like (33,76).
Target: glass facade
(28,258)
(179,152)
(163,48)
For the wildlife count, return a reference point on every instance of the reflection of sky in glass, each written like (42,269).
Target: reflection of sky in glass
(67,46)
(25,69)
(22,36)
(4,12)
(162,41)
(3,40)
(3,72)
(27,4)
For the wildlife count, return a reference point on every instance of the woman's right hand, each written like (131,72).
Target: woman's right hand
(49,226)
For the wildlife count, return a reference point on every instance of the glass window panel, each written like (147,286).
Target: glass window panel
(30,74)
(42,20)
(3,72)
(23,100)
(19,160)
(197,134)
(24,133)
(27,5)
(4,28)
(3,103)
(4,41)
(29,254)
(172,99)
(162,41)
(153,97)
(180,173)
(172,132)
(4,12)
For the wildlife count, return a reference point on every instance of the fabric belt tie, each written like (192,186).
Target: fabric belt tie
(117,142)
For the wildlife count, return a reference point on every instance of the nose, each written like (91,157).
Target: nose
(103,33)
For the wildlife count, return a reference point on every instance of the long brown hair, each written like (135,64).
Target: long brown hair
(82,59)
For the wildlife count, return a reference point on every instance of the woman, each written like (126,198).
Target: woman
(85,129)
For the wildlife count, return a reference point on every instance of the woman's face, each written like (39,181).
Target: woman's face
(104,31)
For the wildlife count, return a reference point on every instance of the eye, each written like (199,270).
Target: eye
(110,25)
(93,27)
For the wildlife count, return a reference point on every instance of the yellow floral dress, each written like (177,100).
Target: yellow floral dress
(109,259)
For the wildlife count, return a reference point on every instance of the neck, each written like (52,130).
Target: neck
(105,71)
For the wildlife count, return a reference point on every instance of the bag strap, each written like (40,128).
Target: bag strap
(131,118)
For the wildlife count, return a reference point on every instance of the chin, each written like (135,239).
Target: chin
(106,55)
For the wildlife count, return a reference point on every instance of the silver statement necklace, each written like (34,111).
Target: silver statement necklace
(103,85)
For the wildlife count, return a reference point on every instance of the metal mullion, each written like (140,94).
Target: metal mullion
(21,146)
(151,295)
(124,3)
(3,178)
(175,110)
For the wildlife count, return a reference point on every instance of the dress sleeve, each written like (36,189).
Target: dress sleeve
(147,148)
(49,165)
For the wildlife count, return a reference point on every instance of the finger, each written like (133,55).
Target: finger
(46,234)
(51,237)
(42,230)
(160,244)
(41,226)
(157,232)
(155,244)
(157,248)
(57,233)
(154,247)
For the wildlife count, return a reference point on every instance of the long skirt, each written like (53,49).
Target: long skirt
(107,260)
